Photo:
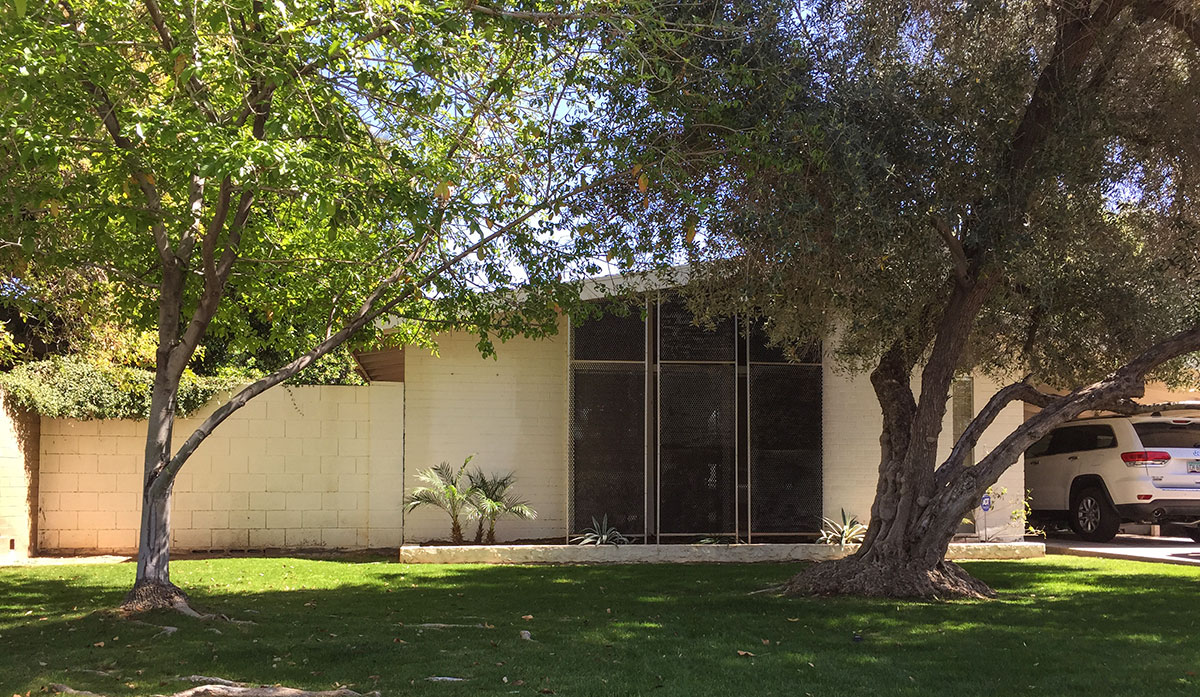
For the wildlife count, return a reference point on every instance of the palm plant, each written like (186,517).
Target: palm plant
(445,489)
(494,498)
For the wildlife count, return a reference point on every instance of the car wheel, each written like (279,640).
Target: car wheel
(1092,517)
(1193,533)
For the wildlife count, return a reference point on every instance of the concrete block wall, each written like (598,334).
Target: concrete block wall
(18,479)
(300,467)
(510,411)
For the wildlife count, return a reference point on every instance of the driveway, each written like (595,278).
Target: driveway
(1165,550)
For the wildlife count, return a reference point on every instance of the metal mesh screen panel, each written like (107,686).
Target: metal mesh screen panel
(785,448)
(611,337)
(608,421)
(607,447)
(680,340)
(697,449)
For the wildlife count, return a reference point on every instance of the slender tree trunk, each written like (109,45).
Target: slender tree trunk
(456,535)
(479,532)
(152,587)
(491,534)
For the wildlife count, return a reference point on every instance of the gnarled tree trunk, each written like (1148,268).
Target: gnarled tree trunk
(919,503)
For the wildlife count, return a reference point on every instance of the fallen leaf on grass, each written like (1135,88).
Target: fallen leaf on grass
(744,653)
(99,644)
(766,642)
(793,619)
(526,617)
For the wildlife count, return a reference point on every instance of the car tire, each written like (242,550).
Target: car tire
(1194,533)
(1093,517)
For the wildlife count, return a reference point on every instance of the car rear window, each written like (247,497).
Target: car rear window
(1164,434)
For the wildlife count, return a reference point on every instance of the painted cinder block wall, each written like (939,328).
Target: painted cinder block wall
(510,411)
(18,479)
(298,467)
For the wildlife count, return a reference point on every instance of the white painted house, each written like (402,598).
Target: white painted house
(673,432)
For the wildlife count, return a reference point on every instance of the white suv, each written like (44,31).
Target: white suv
(1100,472)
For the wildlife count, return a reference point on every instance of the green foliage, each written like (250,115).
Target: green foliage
(600,533)
(71,387)
(448,488)
(847,531)
(379,128)
(334,368)
(495,499)
(822,167)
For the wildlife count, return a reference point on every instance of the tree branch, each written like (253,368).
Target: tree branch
(145,181)
(368,311)
(1018,391)
(1173,14)
(193,85)
(956,250)
(1077,35)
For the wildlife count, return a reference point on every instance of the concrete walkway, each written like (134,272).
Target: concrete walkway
(1165,550)
(61,561)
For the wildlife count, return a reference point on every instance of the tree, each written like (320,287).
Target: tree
(932,188)
(286,175)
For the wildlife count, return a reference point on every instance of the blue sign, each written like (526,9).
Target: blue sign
(986,503)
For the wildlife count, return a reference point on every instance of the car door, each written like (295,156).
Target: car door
(1038,475)
(1065,456)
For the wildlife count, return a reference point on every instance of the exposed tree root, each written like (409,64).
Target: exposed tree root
(64,690)
(218,687)
(212,681)
(852,576)
(166,629)
(146,596)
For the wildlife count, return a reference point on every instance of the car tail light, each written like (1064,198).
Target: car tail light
(1149,458)
(1145,497)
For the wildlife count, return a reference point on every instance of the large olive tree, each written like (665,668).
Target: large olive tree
(932,188)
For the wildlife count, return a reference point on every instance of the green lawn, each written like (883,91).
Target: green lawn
(1063,626)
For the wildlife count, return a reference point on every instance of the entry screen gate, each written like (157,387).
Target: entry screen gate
(681,433)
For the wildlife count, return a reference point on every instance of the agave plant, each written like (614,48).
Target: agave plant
(493,499)
(448,488)
(601,533)
(847,532)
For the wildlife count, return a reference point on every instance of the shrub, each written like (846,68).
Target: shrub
(75,388)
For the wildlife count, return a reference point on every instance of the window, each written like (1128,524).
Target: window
(1077,439)
(1040,448)
(680,431)
(1163,434)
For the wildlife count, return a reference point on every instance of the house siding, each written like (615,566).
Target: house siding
(509,411)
